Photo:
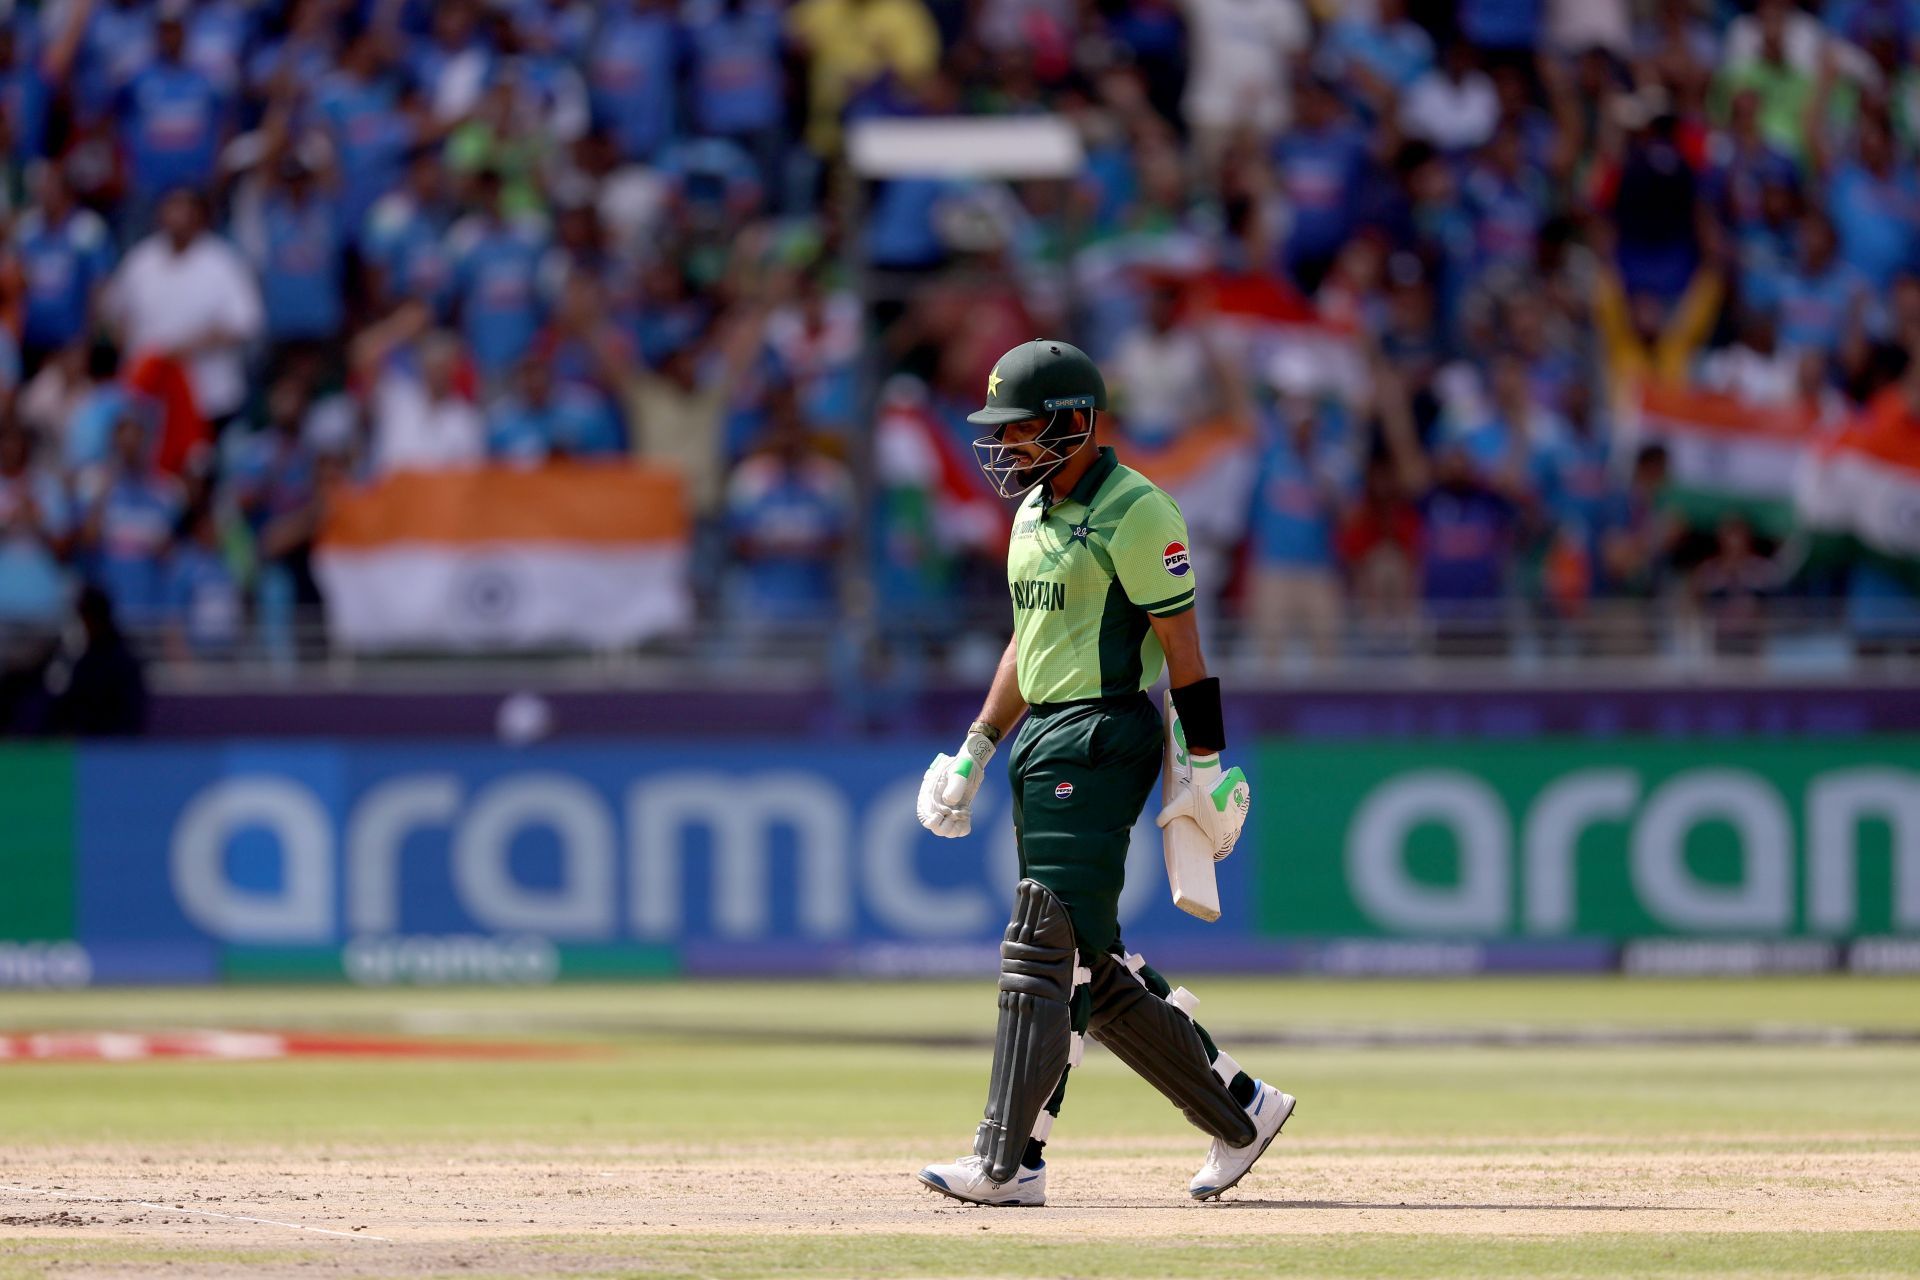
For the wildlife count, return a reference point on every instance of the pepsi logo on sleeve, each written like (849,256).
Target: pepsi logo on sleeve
(1175,558)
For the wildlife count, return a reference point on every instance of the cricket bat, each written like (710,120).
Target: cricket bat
(1188,851)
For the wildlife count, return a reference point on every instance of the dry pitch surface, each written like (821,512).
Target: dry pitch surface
(744,1131)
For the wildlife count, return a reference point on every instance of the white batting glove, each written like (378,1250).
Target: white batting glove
(945,806)
(1216,801)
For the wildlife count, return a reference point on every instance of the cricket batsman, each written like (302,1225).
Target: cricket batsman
(1102,598)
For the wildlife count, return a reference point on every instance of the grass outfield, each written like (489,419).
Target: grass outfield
(771,1129)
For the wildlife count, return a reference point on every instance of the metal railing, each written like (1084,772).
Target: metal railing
(1641,641)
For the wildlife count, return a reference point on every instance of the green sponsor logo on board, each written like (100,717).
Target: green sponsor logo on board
(36,842)
(1556,838)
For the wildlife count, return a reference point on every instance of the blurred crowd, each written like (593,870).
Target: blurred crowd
(255,250)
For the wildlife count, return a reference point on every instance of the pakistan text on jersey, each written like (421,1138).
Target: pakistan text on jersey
(1039,594)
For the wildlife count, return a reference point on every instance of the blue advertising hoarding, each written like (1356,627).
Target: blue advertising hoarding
(333,861)
(406,863)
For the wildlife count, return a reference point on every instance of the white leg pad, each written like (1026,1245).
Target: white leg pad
(1043,1126)
(1073,1054)
(1183,1000)
(1225,1067)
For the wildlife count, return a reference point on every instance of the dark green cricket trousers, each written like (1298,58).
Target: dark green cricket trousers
(1081,772)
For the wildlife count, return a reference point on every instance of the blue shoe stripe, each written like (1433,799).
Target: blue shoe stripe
(935,1179)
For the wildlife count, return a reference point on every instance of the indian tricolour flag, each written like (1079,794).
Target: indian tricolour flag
(1209,470)
(567,555)
(1728,455)
(1263,324)
(1866,482)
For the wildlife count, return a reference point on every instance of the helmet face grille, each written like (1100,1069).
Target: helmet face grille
(1011,474)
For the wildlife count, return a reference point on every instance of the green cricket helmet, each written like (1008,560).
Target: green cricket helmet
(1046,379)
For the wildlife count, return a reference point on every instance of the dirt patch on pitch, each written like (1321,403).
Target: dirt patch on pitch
(444,1210)
(60,1219)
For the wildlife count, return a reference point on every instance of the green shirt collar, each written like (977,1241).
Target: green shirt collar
(1089,484)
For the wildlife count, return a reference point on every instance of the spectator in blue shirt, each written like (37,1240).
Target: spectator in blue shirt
(631,75)
(1820,298)
(738,87)
(1863,21)
(544,417)
(303,56)
(1742,164)
(1153,35)
(172,121)
(1467,536)
(219,33)
(1767,247)
(1874,201)
(1380,55)
(295,244)
(1583,489)
(298,250)
(371,132)
(1638,543)
(1320,163)
(666,314)
(203,614)
(815,345)
(1512,448)
(273,477)
(1443,233)
(404,239)
(1306,480)
(452,68)
(97,408)
(66,254)
(23,98)
(36,522)
(496,276)
(1506,25)
(565,26)
(131,510)
(1508,201)
(118,44)
(900,232)
(1553,351)
(268,473)
(1654,211)
(547,84)
(788,509)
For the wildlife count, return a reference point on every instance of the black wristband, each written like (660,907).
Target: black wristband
(1199,707)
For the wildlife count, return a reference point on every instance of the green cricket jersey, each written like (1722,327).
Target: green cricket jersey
(1085,573)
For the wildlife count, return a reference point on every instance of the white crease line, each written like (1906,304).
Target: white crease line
(177,1208)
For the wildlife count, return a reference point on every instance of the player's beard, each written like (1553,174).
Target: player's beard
(1036,468)
(1012,479)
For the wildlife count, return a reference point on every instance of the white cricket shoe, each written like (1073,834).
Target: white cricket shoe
(1227,1165)
(966,1179)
